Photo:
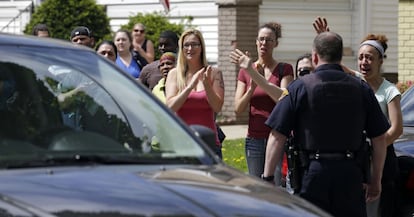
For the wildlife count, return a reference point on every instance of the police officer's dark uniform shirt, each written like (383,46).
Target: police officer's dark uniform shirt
(292,113)
(333,125)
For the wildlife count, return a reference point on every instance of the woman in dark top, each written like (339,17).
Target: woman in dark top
(143,48)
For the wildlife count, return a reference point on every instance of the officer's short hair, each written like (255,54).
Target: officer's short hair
(329,47)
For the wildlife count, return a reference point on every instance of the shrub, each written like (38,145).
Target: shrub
(61,16)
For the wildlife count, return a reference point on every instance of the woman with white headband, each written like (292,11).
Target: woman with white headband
(371,56)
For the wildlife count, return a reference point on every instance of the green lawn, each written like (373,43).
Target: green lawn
(233,153)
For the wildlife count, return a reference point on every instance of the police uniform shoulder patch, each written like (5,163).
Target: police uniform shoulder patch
(284,93)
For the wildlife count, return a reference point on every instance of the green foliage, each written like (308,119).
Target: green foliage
(155,23)
(61,16)
(233,154)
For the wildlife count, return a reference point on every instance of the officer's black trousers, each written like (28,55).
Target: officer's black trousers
(335,186)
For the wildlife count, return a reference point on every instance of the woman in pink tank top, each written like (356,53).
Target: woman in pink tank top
(195,90)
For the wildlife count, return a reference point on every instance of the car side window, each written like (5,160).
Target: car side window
(51,102)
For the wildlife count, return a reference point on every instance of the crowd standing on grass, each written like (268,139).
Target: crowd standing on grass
(258,90)
(279,109)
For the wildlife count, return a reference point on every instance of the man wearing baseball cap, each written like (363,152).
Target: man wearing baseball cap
(82,35)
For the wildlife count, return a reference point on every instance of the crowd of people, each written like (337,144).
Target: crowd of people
(323,106)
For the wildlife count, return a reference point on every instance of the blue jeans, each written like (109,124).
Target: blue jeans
(255,151)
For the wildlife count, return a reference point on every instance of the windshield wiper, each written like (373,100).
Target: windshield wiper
(96,159)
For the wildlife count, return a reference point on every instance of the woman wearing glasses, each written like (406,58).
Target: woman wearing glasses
(259,87)
(143,48)
(194,89)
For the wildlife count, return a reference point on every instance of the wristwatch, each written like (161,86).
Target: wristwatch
(270,179)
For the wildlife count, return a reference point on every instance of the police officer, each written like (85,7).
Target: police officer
(328,110)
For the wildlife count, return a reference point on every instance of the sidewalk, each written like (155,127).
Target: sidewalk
(234,131)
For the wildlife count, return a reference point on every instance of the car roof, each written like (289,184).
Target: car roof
(29,40)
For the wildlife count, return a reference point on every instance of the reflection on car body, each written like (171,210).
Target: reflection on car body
(78,137)
(404,149)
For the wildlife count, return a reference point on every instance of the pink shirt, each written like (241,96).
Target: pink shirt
(261,104)
(196,110)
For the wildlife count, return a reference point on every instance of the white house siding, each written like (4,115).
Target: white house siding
(352,19)
(383,19)
(204,12)
(10,9)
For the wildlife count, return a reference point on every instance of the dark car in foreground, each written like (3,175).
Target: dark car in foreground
(79,137)
(404,149)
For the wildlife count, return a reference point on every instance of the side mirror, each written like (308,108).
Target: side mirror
(206,134)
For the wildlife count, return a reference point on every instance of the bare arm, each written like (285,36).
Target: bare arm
(274,152)
(394,112)
(378,157)
(238,57)
(214,87)
(147,55)
(286,81)
(243,95)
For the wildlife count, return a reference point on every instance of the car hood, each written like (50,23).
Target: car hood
(144,191)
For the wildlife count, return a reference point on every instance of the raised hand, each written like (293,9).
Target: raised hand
(238,57)
(198,76)
(320,24)
(206,77)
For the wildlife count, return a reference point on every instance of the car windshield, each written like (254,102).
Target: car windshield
(65,106)
(407,108)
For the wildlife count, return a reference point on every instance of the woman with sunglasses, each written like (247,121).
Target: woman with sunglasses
(143,48)
(304,65)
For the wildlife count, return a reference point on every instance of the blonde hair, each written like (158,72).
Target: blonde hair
(182,65)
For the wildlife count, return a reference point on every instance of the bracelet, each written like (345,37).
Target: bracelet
(268,178)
